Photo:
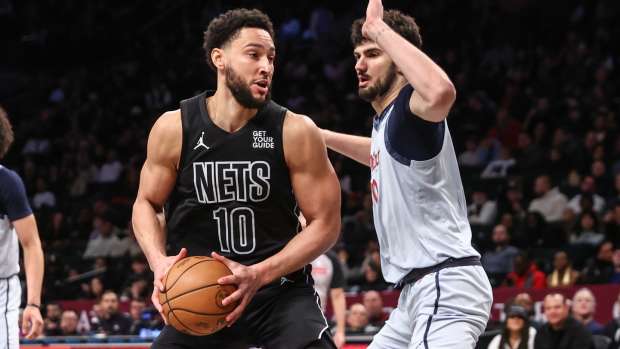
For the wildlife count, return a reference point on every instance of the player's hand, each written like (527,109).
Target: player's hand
(374,14)
(247,281)
(32,322)
(160,269)
(339,339)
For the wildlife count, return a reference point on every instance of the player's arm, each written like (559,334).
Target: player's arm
(434,93)
(28,236)
(157,179)
(317,191)
(354,147)
(339,305)
(14,199)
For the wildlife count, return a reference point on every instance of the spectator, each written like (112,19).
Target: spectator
(472,156)
(516,331)
(499,260)
(588,231)
(561,331)
(499,168)
(377,314)
(105,241)
(51,323)
(524,300)
(612,329)
(599,269)
(563,274)
(612,224)
(583,308)
(615,260)
(138,321)
(357,321)
(588,190)
(112,321)
(43,197)
(69,323)
(549,202)
(525,274)
(482,211)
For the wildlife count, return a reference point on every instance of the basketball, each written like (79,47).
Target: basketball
(192,298)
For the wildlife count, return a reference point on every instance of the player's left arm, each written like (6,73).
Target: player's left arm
(28,235)
(317,191)
(434,93)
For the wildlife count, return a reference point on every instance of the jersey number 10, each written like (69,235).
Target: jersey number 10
(236,229)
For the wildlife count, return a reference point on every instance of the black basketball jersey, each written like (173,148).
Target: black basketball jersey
(233,193)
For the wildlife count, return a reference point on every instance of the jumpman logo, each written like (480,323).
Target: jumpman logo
(201,142)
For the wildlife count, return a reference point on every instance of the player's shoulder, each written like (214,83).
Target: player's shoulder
(299,127)
(9,178)
(167,127)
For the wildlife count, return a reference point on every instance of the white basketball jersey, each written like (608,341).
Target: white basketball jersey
(419,207)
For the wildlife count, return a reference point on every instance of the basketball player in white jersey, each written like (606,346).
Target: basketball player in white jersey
(17,223)
(418,202)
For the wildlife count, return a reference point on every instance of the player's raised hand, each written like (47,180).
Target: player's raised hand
(248,282)
(374,14)
(160,269)
(32,322)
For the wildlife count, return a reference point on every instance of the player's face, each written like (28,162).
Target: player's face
(248,67)
(376,72)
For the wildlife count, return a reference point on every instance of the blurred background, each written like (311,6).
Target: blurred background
(535,127)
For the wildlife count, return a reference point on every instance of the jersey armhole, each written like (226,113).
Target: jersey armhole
(408,137)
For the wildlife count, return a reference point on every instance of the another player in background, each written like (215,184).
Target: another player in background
(17,223)
(233,169)
(419,206)
(329,282)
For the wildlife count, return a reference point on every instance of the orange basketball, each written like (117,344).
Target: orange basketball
(192,298)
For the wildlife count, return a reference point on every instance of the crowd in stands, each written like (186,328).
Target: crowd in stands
(535,125)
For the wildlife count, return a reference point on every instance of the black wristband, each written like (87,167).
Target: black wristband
(33,305)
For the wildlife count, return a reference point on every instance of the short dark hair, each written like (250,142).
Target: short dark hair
(6,133)
(401,23)
(226,27)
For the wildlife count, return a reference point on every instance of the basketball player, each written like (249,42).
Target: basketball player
(17,223)
(418,202)
(232,168)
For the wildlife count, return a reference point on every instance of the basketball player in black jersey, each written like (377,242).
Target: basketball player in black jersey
(231,169)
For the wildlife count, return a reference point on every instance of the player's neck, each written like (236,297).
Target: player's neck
(380,103)
(226,112)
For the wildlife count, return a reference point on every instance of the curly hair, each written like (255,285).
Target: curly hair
(401,23)
(6,133)
(225,27)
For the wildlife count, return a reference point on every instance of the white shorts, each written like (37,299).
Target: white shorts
(10,299)
(446,309)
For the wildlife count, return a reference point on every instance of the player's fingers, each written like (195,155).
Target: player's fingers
(228,280)
(25,323)
(33,329)
(233,297)
(155,299)
(159,285)
(230,264)
(235,314)
(182,254)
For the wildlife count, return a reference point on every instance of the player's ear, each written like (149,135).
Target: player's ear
(217,57)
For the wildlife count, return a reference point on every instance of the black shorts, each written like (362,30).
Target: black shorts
(284,316)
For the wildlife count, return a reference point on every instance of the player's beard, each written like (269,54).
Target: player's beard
(381,87)
(241,91)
